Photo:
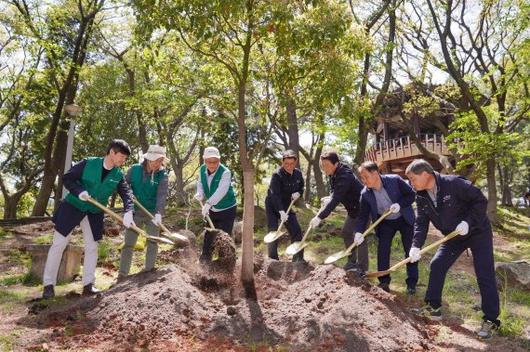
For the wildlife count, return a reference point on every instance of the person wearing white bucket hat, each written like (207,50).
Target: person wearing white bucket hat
(215,186)
(149,183)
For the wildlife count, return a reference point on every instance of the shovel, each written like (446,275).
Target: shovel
(133,227)
(274,235)
(175,237)
(407,260)
(212,226)
(296,247)
(346,252)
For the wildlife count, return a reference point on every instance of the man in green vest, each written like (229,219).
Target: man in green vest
(149,184)
(215,185)
(92,177)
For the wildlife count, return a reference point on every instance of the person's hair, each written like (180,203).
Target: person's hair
(418,166)
(369,166)
(289,154)
(119,146)
(331,156)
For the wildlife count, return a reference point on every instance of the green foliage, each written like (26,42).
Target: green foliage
(477,146)
(104,250)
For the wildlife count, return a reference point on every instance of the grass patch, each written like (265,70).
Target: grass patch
(44,239)
(5,234)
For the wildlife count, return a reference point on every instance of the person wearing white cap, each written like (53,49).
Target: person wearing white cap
(149,183)
(215,186)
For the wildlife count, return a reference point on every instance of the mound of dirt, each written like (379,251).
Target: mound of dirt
(305,308)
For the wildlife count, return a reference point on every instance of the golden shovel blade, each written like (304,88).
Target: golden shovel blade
(273,236)
(176,237)
(336,256)
(160,239)
(295,247)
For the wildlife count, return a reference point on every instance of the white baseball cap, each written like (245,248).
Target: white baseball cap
(211,152)
(155,152)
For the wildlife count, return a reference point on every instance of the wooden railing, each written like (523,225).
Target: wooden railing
(404,147)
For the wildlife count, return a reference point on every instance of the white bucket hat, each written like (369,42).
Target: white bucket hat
(155,152)
(211,152)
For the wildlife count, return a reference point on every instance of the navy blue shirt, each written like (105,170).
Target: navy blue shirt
(282,186)
(345,189)
(457,200)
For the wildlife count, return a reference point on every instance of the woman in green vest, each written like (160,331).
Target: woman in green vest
(92,177)
(149,183)
(215,186)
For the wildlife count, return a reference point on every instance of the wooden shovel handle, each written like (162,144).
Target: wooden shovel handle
(408,259)
(151,216)
(116,217)
(288,210)
(369,229)
(208,217)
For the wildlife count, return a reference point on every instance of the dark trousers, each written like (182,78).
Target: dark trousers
(291,225)
(481,246)
(360,253)
(385,233)
(222,220)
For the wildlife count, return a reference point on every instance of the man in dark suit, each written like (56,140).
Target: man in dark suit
(383,192)
(452,203)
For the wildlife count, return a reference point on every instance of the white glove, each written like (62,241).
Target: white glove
(283,216)
(157,220)
(128,219)
(84,196)
(462,228)
(205,209)
(325,201)
(315,222)
(359,238)
(295,195)
(198,197)
(394,208)
(414,254)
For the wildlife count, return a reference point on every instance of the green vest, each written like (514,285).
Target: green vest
(229,200)
(91,182)
(145,191)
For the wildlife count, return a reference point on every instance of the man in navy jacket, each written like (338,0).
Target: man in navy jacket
(345,189)
(383,192)
(452,203)
(287,184)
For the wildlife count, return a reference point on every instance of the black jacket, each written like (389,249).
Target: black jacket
(345,189)
(456,200)
(282,186)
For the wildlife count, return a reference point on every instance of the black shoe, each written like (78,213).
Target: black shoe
(411,291)
(48,292)
(384,286)
(351,266)
(429,312)
(299,257)
(89,290)
(487,329)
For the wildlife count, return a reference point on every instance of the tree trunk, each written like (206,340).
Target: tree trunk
(178,169)
(10,206)
(492,190)
(66,95)
(292,127)
(319,179)
(307,193)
